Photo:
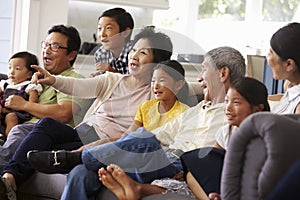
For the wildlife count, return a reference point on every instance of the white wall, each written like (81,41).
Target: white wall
(84,16)
(6,10)
(32,19)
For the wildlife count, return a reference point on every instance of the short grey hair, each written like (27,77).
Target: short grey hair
(228,57)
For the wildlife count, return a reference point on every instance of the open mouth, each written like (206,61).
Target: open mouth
(133,65)
(47,61)
(104,41)
(229,116)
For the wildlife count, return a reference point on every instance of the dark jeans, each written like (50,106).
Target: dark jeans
(139,154)
(288,187)
(206,166)
(47,134)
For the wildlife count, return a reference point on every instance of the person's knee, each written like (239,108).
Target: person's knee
(86,155)
(46,121)
(47,126)
(11,118)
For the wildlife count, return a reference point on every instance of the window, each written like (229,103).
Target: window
(279,10)
(231,9)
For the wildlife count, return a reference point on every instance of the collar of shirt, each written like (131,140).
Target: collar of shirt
(293,92)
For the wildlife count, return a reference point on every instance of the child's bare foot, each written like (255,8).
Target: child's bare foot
(108,181)
(130,186)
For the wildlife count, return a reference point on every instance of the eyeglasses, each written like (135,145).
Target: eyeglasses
(54,47)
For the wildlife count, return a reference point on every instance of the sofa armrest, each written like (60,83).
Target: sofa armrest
(259,153)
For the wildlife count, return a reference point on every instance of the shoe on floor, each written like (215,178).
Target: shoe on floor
(6,191)
(52,162)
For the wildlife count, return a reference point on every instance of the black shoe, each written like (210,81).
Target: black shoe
(52,162)
(6,191)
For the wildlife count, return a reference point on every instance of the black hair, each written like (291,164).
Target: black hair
(286,42)
(30,59)
(72,34)
(254,91)
(122,17)
(161,44)
(177,72)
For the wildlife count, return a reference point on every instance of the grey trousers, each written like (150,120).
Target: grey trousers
(15,137)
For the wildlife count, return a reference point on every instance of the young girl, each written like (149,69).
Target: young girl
(203,173)
(170,92)
(170,89)
(18,83)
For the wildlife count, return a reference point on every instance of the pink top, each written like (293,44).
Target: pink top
(115,115)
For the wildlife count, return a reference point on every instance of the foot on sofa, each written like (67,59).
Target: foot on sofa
(53,162)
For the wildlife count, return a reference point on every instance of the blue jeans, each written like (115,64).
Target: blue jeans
(47,134)
(139,154)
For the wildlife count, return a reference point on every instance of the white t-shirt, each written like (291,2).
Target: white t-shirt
(223,135)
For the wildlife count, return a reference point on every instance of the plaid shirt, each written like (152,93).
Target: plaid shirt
(121,63)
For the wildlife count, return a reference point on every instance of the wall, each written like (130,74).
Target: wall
(88,13)
(31,21)
(6,10)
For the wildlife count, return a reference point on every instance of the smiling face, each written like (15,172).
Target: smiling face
(17,70)
(109,35)
(237,107)
(210,81)
(141,58)
(59,61)
(163,86)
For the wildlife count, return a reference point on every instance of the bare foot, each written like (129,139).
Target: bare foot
(108,181)
(11,180)
(130,186)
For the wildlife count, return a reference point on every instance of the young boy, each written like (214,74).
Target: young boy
(114,31)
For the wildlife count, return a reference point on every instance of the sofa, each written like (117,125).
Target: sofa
(259,153)
(264,147)
(49,187)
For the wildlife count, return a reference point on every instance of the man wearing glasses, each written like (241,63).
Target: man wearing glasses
(59,52)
